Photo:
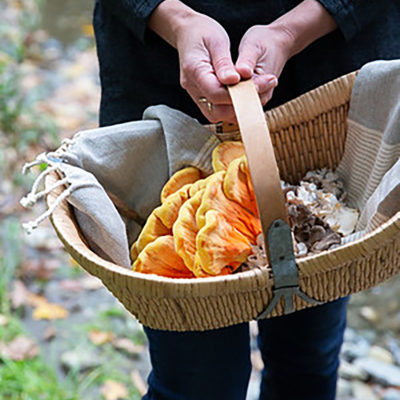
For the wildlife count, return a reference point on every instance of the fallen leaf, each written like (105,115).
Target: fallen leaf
(19,295)
(71,285)
(139,383)
(100,337)
(128,346)
(81,359)
(3,320)
(46,310)
(39,268)
(113,390)
(21,348)
(35,300)
(49,333)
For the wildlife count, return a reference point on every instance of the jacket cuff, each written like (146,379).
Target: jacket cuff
(133,14)
(344,15)
(143,14)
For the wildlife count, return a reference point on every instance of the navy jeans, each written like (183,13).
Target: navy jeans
(300,353)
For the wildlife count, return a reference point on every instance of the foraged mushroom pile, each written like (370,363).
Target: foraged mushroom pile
(209,226)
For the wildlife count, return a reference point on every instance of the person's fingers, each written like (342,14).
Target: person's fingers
(222,113)
(221,60)
(213,90)
(265,82)
(214,112)
(247,59)
(200,77)
(266,96)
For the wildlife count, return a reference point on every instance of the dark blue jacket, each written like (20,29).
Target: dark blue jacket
(139,69)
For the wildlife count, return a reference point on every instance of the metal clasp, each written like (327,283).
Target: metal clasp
(284,268)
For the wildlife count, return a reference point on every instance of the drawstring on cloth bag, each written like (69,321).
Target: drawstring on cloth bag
(131,161)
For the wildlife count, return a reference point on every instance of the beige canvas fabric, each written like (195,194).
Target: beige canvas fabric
(370,166)
(135,159)
(131,160)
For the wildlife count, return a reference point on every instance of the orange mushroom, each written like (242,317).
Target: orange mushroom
(199,185)
(134,252)
(238,187)
(150,232)
(180,179)
(204,227)
(160,220)
(220,248)
(168,211)
(159,257)
(225,153)
(214,199)
(185,230)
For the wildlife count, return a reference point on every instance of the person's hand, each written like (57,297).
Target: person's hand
(206,66)
(263,52)
(204,56)
(265,49)
(204,51)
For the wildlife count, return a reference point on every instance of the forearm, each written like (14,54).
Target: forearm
(169,18)
(304,24)
(203,49)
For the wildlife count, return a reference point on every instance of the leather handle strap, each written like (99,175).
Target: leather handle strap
(260,154)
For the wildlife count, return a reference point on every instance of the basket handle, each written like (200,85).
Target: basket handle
(260,155)
(269,196)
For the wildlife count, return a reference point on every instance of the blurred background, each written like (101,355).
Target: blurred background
(62,335)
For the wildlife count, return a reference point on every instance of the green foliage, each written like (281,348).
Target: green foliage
(30,380)
(10,248)
(22,127)
(19,120)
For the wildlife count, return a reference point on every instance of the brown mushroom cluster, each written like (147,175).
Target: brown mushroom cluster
(209,226)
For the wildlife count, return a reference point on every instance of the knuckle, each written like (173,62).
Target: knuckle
(265,98)
(183,81)
(213,97)
(222,61)
(262,87)
(186,65)
(197,75)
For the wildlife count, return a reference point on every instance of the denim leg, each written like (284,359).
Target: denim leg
(211,365)
(301,353)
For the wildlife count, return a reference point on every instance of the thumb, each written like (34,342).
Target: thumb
(222,62)
(247,60)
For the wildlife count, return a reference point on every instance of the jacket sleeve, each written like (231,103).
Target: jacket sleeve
(353,15)
(134,14)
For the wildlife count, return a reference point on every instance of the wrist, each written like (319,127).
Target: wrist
(302,25)
(169,19)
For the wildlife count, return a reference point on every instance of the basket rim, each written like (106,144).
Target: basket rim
(70,235)
(306,265)
(287,114)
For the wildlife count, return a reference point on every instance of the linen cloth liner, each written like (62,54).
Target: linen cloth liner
(134,160)
(370,166)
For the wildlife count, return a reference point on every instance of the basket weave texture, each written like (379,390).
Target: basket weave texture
(307,133)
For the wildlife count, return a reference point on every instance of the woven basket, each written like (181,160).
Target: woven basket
(307,133)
